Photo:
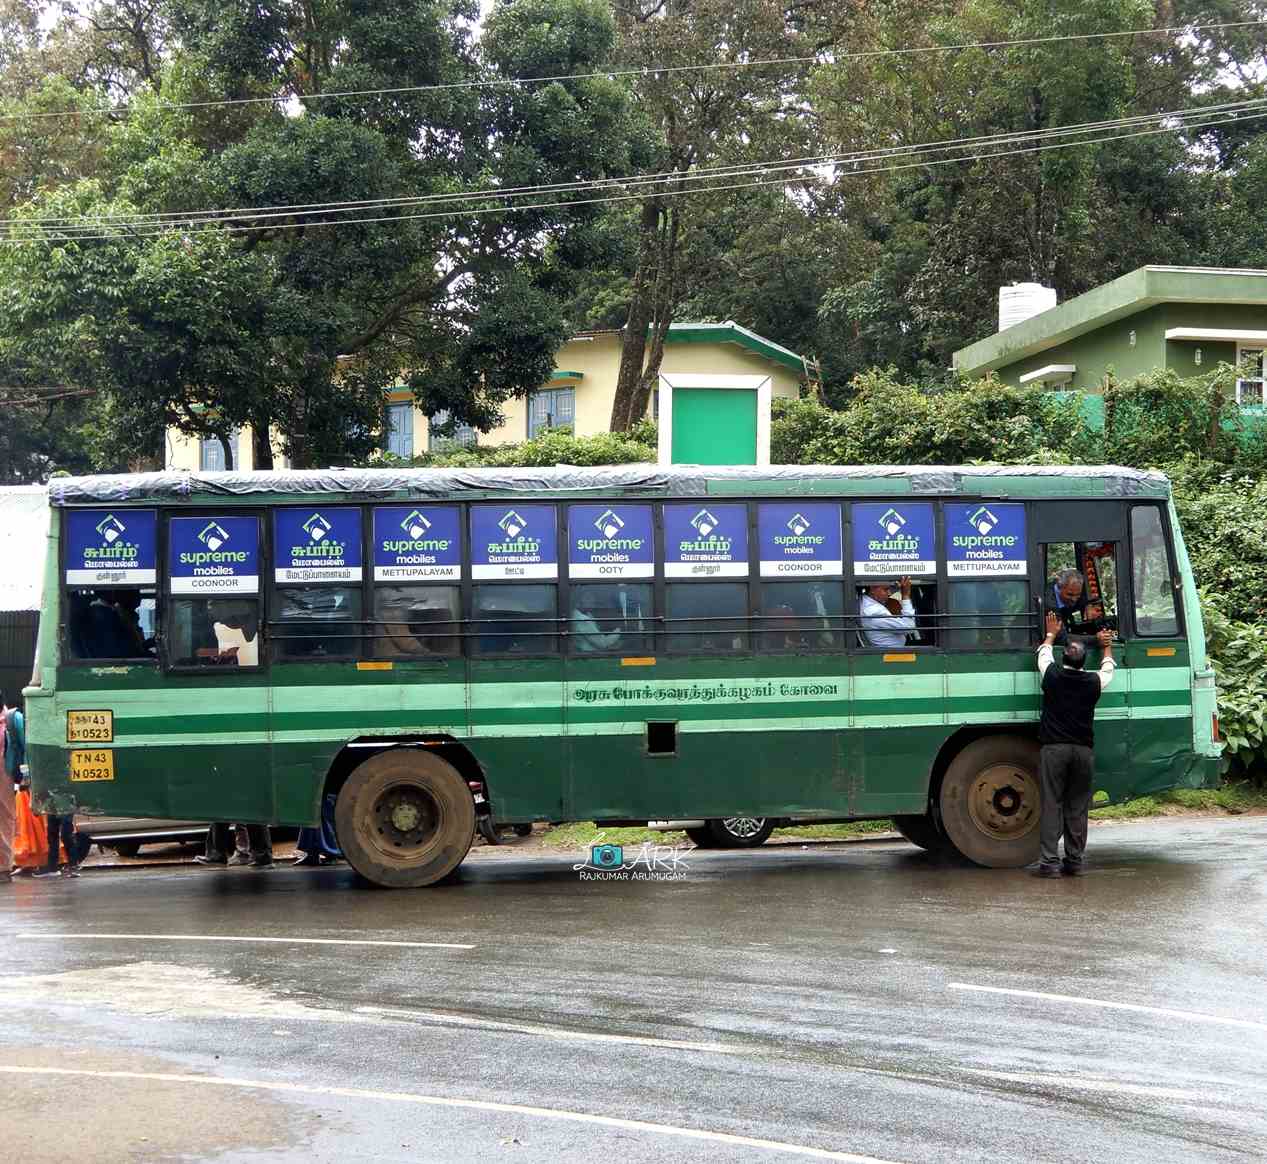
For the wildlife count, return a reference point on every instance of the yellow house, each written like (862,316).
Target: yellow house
(579,393)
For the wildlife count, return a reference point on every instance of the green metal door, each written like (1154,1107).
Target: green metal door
(714,426)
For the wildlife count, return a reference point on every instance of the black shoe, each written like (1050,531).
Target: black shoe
(306,859)
(1069,869)
(1044,870)
(262,863)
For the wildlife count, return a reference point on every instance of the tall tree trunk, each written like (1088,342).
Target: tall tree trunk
(664,301)
(633,344)
(263,444)
(227,446)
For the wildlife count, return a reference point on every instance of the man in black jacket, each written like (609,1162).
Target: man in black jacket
(1066,759)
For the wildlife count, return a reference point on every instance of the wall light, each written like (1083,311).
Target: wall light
(1196,357)
(1132,339)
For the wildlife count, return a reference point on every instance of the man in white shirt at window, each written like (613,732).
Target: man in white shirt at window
(881,624)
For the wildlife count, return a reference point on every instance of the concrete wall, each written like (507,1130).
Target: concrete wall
(1109,346)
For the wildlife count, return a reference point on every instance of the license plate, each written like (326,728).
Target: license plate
(91,764)
(90,727)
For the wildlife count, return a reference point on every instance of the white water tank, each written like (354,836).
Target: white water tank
(1020,301)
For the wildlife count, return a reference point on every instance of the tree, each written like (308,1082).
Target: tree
(728,114)
(286,319)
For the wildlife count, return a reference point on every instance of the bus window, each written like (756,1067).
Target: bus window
(801,616)
(111,624)
(1081,584)
(215,632)
(1155,614)
(515,619)
(990,614)
(708,616)
(417,621)
(317,622)
(612,617)
(885,622)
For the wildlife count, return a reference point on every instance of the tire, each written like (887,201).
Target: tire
(740,832)
(991,802)
(702,837)
(921,831)
(127,848)
(523,830)
(405,818)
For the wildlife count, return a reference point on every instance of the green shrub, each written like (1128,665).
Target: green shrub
(556,446)
(1238,652)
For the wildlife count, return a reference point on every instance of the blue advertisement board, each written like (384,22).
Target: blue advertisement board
(214,555)
(317,545)
(706,541)
(985,541)
(890,540)
(615,541)
(800,540)
(107,547)
(420,543)
(514,542)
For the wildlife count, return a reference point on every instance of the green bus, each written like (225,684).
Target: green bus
(614,644)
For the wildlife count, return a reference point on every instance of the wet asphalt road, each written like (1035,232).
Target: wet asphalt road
(853,1001)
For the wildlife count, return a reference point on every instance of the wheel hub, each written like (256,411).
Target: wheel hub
(744,827)
(404,817)
(1003,801)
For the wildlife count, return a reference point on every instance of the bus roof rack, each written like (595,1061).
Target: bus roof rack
(1089,481)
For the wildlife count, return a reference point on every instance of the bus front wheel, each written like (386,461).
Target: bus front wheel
(990,802)
(405,818)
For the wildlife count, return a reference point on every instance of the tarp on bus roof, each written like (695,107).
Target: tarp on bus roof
(670,481)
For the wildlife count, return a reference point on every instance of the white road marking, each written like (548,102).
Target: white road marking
(217,938)
(361,1093)
(1166,1012)
(548,1032)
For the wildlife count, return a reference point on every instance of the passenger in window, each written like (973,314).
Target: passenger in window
(587,636)
(886,619)
(1069,600)
(102,632)
(128,604)
(236,626)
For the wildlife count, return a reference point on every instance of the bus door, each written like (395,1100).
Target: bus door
(1081,554)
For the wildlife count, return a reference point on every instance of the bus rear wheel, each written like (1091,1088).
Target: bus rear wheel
(405,818)
(921,831)
(739,832)
(990,802)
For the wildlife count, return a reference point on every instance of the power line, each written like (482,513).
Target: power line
(186,219)
(479,211)
(644,71)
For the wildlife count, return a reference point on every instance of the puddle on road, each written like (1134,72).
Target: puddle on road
(164,989)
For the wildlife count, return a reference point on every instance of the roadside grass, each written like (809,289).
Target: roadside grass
(1231,798)
(581,834)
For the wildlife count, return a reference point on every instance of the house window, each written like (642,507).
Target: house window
(399,434)
(211,453)
(551,408)
(1249,389)
(463,436)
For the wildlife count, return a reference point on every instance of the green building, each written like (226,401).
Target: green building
(1184,318)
